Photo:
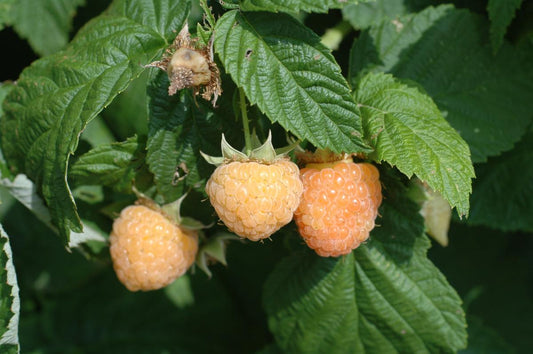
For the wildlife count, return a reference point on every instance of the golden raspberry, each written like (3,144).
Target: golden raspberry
(339,205)
(255,200)
(148,250)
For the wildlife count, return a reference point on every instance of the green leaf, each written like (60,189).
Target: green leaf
(46,24)
(364,15)
(311,304)
(400,226)
(5,13)
(9,298)
(5,88)
(412,306)
(485,97)
(294,5)
(292,78)
(501,13)
(409,132)
(58,95)
(114,165)
(179,125)
(503,190)
(366,301)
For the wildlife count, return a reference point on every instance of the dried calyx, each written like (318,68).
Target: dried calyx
(190,64)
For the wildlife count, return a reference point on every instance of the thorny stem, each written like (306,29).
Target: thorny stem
(245,122)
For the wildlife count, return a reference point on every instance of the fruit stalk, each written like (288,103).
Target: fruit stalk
(245,122)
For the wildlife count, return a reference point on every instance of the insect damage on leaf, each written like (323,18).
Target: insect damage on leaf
(190,64)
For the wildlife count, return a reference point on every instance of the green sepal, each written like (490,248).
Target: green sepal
(214,250)
(286,149)
(265,152)
(192,224)
(213,160)
(230,153)
(255,140)
(172,210)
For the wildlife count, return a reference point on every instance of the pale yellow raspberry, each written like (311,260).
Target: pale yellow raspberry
(253,199)
(148,250)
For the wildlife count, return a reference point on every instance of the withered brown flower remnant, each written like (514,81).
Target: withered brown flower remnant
(190,64)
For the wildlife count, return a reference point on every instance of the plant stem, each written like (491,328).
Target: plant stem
(245,122)
(334,36)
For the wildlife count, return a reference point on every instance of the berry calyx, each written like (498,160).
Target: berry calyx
(339,203)
(255,194)
(190,64)
(148,249)
(187,68)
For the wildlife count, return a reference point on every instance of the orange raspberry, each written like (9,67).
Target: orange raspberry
(339,205)
(148,250)
(253,199)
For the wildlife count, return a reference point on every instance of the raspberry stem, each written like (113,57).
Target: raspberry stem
(333,37)
(245,122)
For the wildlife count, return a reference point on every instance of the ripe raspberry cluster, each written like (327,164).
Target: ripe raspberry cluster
(334,202)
